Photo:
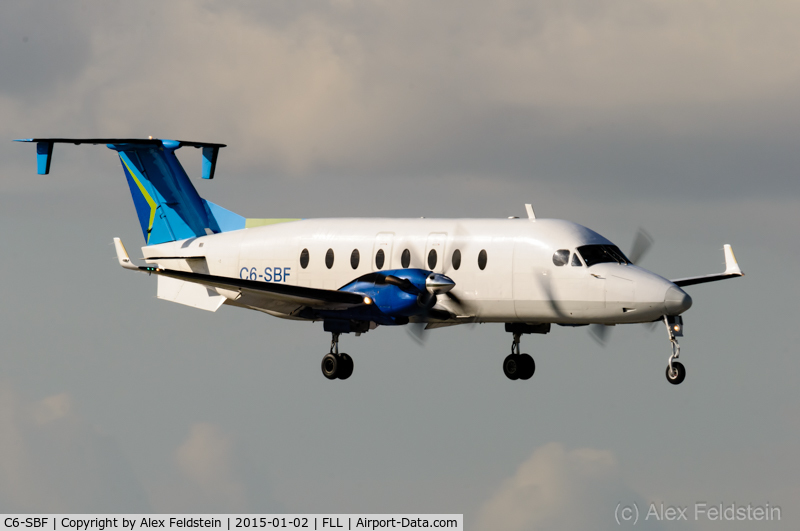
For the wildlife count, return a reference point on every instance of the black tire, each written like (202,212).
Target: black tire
(511,367)
(331,365)
(346,367)
(680,371)
(528,366)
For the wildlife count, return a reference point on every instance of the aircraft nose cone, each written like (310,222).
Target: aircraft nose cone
(676,301)
(437,283)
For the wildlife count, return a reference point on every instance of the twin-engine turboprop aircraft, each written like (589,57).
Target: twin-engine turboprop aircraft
(357,274)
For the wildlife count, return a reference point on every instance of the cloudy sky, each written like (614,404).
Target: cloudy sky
(682,117)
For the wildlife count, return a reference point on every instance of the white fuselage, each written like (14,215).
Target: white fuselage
(519,283)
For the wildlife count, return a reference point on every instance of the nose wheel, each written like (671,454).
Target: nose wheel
(518,366)
(335,365)
(676,372)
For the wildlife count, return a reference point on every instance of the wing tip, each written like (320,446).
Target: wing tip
(731,265)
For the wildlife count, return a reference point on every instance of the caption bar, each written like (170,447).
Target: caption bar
(231,522)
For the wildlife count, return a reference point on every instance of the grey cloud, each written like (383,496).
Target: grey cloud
(565,92)
(41,50)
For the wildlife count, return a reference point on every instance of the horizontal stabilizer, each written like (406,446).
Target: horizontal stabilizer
(189,294)
(44,149)
(731,270)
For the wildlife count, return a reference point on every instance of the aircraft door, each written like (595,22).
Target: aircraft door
(382,252)
(435,258)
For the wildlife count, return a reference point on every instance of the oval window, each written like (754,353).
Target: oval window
(354,259)
(329,258)
(482,259)
(380,258)
(432,259)
(304,258)
(405,259)
(456,259)
(561,257)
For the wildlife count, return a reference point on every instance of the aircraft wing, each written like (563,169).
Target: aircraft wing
(273,295)
(731,270)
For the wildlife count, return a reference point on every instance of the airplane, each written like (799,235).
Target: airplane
(355,274)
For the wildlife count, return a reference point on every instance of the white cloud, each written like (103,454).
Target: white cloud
(51,460)
(206,460)
(560,489)
(211,473)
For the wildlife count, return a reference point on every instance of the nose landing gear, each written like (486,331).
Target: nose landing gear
(676,372)
(335,365)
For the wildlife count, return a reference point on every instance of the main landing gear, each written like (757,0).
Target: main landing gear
(676,372)
(335,365)
(518,366)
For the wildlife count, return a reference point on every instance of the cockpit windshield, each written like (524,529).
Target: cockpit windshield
(598,254)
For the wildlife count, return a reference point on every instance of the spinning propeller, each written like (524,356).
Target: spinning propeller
(417,330)
(642,243)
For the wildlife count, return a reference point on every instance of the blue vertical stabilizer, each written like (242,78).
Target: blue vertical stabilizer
(167,204)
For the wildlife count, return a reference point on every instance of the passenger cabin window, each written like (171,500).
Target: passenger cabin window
(456,259)
(598,254)
(482,259)
(380,258)
(304,258)
(576,260)
(432,259)
(329,258)
(561,257)
(405,259)
(354,259)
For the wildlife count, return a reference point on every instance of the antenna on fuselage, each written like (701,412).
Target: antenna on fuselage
(529,209)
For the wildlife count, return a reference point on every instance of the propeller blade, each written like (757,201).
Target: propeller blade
(402,283)
(417,332)
(651,326)
(599,333)
(453,297)
(426,300)
(641,244)
(544,283)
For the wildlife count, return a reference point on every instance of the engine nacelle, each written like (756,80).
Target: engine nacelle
(401,292)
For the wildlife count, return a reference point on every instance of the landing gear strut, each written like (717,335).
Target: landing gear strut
(335,365)
(516,365)
(676,372)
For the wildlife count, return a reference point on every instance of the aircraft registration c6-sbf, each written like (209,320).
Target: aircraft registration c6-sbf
(357,274)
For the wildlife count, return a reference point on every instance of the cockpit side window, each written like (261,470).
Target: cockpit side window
(576,260)
(598,254)
(561,257)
